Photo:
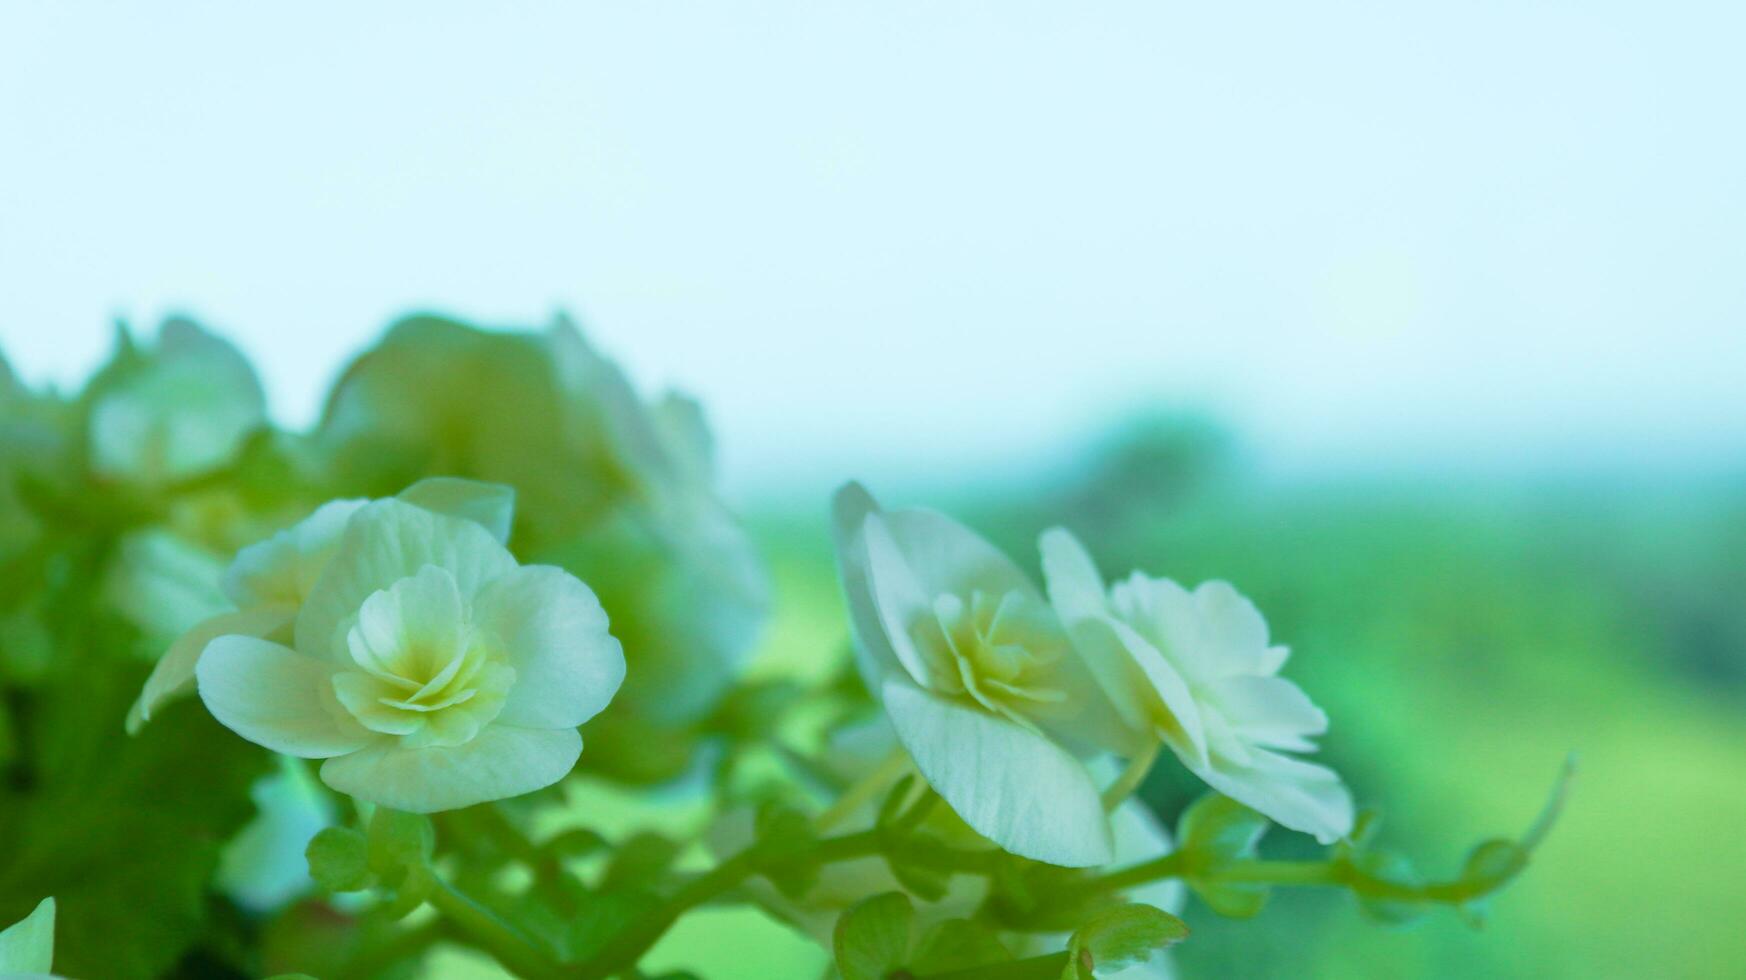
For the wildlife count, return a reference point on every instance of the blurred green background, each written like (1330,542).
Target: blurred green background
(1464,635)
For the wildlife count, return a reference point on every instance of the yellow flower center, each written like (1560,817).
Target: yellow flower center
(997,651)
(424,672)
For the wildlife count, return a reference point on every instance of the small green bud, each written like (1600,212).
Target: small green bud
(339,860)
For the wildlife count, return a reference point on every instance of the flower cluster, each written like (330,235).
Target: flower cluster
(998,692)
(492,546)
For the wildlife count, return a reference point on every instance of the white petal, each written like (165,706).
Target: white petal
(949,557)
(902,603)
(1187,734)
(386,541)
(1076,591)
(28,945)
(1075,587)
(284,567)
(1009,783)
(850,509)
(1269,711)
(173,676)
(490,505)
(1292,793)
(275,697)
(502,761)
(567,666)
(1233,626)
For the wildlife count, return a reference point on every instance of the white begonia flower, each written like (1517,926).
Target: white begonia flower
(269,580)
(429,670)
(175,411)
(979,679)
(27,947)
(714,597)
(1197,671)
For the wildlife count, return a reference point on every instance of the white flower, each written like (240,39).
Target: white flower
(429,669)
(1196,670)
(268,580)
(707,606)
(978,677)
(27,947)
(176,411)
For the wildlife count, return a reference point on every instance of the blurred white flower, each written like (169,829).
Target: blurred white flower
(429,669)
(980,681)
(177,410)
(714,596)
(1196,670)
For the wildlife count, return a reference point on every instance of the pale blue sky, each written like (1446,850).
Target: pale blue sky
(904,236)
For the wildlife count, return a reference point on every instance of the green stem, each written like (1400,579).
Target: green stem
(491,933)
(865,791)
(628,946)
(1131,777)
(1331,873)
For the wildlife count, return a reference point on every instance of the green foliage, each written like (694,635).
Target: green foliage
(1119,938)
(872,940)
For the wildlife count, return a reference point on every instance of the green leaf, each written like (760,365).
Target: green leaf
(339,859)
(115,827)
(872,938)
(958,944)
(1121,937)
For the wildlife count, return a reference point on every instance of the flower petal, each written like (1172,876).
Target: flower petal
(1292,793)
(903,605)
(950,557)
(567,666)
(874,655)
(276,697)
(1233,626)
(502,761)
(174,674)
(1184,729)
(386,541)
(1075,588)
(1270,711)
(28,945)
(1010,784)
(284,567)
(490,505)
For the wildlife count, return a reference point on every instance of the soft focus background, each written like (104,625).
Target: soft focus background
(1424,327)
